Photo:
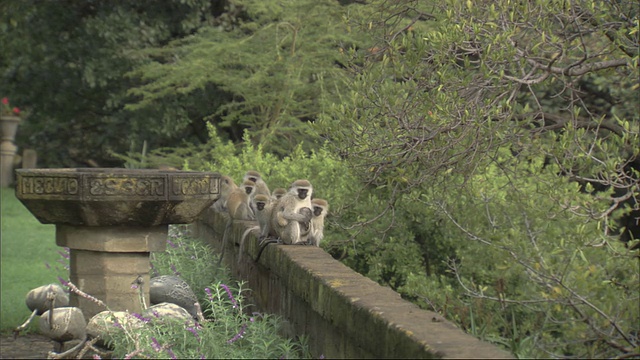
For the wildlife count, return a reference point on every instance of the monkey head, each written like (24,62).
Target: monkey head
(248,186)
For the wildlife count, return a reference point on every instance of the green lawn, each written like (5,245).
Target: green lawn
(27,245)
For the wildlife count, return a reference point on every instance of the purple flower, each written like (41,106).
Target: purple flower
(140,317)
(209,294)
(63,281)
(194,332)
(171,354)
(117,324)
(239,335)
(65,254)
(173,268)
(155,313)
(46,264)
(155,345)
(233,301)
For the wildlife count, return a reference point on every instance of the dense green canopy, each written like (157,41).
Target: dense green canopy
(482,158)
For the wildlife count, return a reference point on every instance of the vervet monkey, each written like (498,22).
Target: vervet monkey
(261,186)
(277,193)
(239,201)
(263,206)
(287,219)
(239,208)
(316,231)
(227,186)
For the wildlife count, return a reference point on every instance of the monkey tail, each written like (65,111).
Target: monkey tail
(244,236)
(224,240)
(264,245)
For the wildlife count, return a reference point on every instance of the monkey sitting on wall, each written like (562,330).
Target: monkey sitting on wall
(287,219)
(238,206)
(316,229)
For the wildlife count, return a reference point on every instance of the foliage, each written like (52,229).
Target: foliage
(65,62)
(513,126)
(273,71)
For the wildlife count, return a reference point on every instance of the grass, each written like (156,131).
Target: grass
(27,246)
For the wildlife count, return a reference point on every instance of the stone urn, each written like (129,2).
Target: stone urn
(111,219)
(9,126)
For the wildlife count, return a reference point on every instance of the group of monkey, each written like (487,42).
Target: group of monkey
(284,216)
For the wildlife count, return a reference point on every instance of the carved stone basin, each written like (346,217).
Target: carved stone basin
(103,197)
(111,220)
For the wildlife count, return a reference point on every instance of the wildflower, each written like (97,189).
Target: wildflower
(194,331)
(239,335)
(46,264)
(172,244)
(209,294)
(140,317)
(171,354)
(63,281)
(173,268)
(155,345)
(233,300)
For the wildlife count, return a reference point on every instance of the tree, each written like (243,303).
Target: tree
(275,66)
(517,123)
(66,63)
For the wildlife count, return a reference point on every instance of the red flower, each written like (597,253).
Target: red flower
(6,109)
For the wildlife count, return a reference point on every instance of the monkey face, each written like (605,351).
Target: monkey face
(317,210)
(254,179)
(302,193)
(248,189)
(260,205)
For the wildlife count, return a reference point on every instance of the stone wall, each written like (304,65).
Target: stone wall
(344,314)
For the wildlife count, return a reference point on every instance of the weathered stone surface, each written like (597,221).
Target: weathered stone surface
(110,277)
(113,238)
(68,323)
(106,197)
(173,289)
(169,311)
(103,325)
(37,299)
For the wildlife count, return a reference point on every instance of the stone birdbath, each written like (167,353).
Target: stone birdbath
(111,220)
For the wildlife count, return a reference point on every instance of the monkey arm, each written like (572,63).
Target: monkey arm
(303,215)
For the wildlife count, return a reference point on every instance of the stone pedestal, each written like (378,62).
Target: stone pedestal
(106,261)
(9,127)
(111,220)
